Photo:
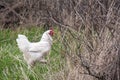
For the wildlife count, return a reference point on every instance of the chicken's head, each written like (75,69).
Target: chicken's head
(51,32)
(47,35)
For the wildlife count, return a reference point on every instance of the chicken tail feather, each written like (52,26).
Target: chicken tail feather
(22,42)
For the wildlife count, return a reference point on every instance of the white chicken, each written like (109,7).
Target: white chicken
(35,51)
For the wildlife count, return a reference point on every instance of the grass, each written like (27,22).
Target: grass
(12,64)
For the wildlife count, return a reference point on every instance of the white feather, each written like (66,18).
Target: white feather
(22,42)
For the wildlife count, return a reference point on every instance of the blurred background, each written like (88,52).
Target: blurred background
(86,42)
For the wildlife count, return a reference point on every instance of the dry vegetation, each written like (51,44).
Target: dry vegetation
(90,33)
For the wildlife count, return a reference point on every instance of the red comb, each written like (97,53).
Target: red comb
(51,32)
